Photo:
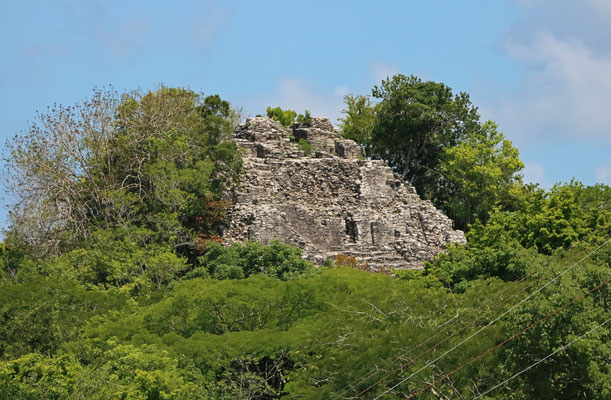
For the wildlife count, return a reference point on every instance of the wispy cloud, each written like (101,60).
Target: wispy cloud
(533,173)
(123,33)
(566,90)
(603,172)
(300,95)
(569,92)
(602,5)
(380,70)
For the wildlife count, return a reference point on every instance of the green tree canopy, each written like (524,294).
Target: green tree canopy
(435,140)
(359,120)
(539,223)
(581,370)
(480,172)
(285,117)
(238,261)
(155,160)
(415,122)
(112,285)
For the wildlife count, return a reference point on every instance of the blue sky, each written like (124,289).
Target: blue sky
(540,68)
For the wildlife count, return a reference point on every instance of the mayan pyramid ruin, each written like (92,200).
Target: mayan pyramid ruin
(309,187)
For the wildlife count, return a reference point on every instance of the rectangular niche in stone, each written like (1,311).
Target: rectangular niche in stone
(352,230)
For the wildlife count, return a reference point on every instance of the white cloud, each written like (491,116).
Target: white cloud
(565,91)
(603,172)
(533,173)
(130,31)
(602,5)
(530,3)
(341,91)
(380,71)
(299,95)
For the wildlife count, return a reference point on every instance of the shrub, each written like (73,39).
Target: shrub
(277,260)
(342,260)
(285,117)
(305,118)
(305,146)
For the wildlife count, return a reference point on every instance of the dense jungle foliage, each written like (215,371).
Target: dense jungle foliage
(113,283)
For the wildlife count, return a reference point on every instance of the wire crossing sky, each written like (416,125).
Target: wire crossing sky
(540,68)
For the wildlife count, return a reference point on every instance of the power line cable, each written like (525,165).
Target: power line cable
(541,360)
(553,313)
(438,343)
(447,338)
(409,351)
(558,276)
(445,324)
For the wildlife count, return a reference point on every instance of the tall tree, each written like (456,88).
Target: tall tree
(415,122)
(155,160)
(435,140)
(359,120)
(480,172)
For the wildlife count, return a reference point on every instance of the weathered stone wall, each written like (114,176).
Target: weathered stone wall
(332,202)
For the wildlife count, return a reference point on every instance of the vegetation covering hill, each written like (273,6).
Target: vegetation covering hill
(113,283)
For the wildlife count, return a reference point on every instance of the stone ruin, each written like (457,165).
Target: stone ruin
(330,200)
